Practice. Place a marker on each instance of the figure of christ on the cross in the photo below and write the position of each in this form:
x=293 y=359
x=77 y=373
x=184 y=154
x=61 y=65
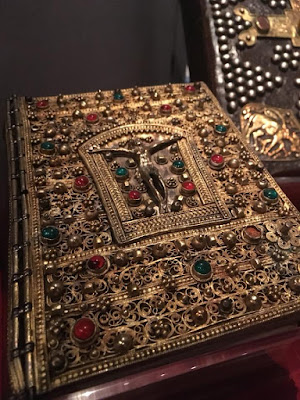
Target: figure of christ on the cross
x=149 y=173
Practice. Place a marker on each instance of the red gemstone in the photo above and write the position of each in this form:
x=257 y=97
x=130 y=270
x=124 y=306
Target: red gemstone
x=190 y=88
x=96 y=262
x=165 y=108
x=84 y=329
x=187 y=185
x=93 y=117
x=217 y=159
x=42 y=104
x=82 y=182
x=253 y=232
x=134 y=195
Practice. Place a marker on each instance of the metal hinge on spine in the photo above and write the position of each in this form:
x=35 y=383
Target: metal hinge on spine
x=23 y=346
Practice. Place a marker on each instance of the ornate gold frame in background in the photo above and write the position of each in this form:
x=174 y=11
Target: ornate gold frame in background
x=150 y=299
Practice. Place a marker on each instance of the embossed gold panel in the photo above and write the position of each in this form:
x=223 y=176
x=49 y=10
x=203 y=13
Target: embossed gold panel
x=210 y=210
x=274 y=132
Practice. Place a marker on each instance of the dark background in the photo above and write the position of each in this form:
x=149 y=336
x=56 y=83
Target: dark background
x=68 y=46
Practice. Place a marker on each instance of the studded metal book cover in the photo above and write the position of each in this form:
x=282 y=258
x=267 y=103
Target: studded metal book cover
x=253 y=48
x=141 y=224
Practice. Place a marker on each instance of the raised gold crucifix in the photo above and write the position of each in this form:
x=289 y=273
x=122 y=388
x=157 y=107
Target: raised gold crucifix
x=283 y=26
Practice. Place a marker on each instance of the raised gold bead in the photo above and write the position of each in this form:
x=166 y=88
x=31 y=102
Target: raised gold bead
x=98 y=242
x=230 y=239
x=262 y=183
x=137 y=255
x=68 y=218
x=159 y=250
x=253 y=302
x=123 y=342
x=77 y=114
x=54 y=162
x=231 y=188
x=99 y=95
x=57 y=174
x=55 y=290
x=121 y=259
x=211 y=240
x=234 y=163
x=58 y=363
x=83 y=104
x=91 y=214
x=50 y=269
x=65 y=130
x=74 y=241
x=50 y=132
x=259 y=206
x=88 y=288
x=294 y=284
x=133 y=289
x=199 y=315
x=199 y=242
x=64 y=149
x=181 y=245
x=60 y=188
x=40 y=193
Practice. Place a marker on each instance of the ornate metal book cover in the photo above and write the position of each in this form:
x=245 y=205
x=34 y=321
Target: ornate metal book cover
x=141 y=223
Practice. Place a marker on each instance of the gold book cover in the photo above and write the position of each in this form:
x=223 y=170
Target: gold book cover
x=141 y=224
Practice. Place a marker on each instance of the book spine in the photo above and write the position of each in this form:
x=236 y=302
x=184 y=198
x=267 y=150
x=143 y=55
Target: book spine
x=21 y=352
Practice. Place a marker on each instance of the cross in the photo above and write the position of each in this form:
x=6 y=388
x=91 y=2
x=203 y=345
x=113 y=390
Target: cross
x=149 y=173
x=283 y=26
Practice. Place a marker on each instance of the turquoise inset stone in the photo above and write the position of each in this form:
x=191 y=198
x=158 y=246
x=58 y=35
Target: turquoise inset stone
x=221 y=129
x=202 y=267
x=121 y=171
x=118 y=96
x=178 y=164
x=270 y=193
x=50 y=233
x=47 y=146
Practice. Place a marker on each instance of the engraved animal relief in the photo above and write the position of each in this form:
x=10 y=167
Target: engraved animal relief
x=273 y=132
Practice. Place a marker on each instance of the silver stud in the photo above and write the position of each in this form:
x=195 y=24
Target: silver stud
x=249 y=74
x=286 y=56
x=269 y=85
x=232 y=106
x=278 y=48
x=284 y=66
x=250 y=84
x=288 y=47
x=294 y=64
x=252 y=94
x=268 y=75
x=260 y=90
x=278 y=81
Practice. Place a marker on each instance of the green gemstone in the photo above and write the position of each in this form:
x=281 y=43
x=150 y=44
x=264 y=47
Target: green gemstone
x=178 y=164
x=121 y=171
x=118 y=96
x=270 y=193
x=221 y=129
x=202 y=267
x=47 y=146
x=50 y=232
